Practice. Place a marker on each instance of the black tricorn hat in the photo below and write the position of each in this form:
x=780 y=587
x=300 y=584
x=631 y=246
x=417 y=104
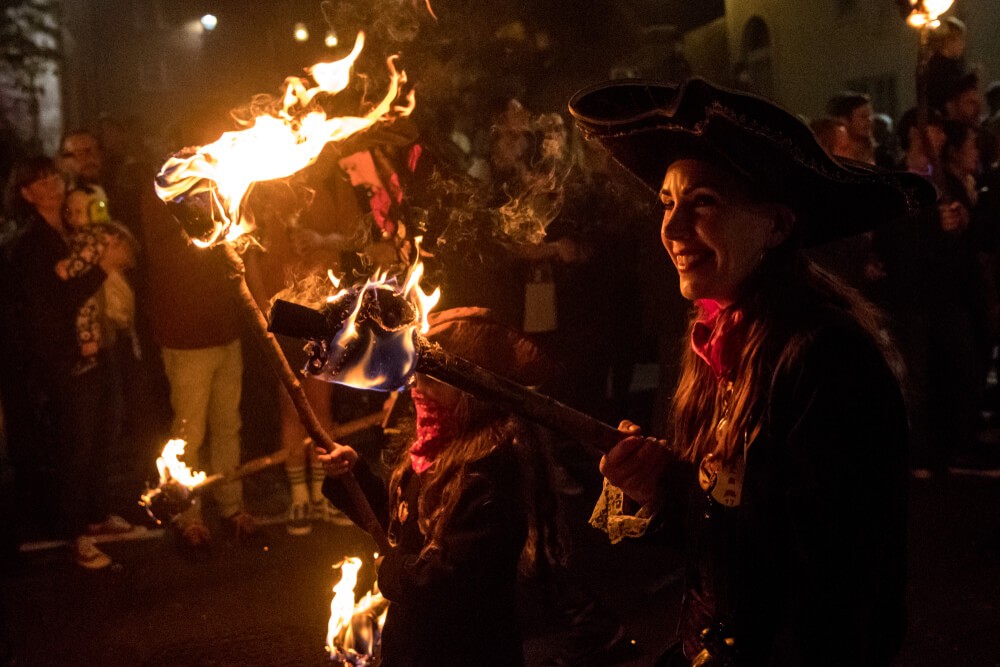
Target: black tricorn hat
x=647 y=125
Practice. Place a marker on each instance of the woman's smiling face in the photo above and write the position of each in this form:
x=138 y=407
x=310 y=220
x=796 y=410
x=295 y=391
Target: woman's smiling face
x=715 y=230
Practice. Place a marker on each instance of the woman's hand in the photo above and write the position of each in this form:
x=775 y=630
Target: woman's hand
x=338 y=462
x=636 y=464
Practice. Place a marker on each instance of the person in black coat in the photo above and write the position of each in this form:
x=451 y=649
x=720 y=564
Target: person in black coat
x=783 y=474
x=467 y=507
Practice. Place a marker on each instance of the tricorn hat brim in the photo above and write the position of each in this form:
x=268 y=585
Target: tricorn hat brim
x=647 y=125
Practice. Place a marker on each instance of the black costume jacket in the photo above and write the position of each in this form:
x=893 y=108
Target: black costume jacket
x=46 y=305
x=455 y=606
x=809 y=567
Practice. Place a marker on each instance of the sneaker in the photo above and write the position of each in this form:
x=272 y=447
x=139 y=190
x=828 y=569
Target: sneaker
x=243 y=524
x=87 y=555
x=323 y=510
x=298 y=520
x=113 y=525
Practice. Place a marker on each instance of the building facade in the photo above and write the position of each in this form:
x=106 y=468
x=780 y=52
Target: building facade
x=800 y=53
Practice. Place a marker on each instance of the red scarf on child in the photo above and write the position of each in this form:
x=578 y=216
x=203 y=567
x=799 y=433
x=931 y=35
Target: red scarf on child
x=435 y=429
x=713 y=340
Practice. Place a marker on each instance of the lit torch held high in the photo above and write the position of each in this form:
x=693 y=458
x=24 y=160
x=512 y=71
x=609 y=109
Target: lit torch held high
x=206 y=188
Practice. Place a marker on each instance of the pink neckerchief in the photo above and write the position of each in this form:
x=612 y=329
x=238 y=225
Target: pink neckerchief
x=713 y=340
x=435 y=429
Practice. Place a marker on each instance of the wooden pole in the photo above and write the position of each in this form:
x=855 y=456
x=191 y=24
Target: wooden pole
x=436 y=362
x=251 y=313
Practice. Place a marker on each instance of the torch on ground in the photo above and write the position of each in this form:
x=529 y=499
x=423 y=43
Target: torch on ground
x=355 y=629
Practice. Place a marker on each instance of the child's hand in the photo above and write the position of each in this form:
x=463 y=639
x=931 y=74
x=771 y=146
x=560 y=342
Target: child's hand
x=338 y=462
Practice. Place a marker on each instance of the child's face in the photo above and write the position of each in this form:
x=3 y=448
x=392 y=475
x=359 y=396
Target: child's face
x=77 y=209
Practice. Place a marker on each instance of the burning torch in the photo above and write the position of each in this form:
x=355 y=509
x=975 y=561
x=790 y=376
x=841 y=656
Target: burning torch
x=206 y=189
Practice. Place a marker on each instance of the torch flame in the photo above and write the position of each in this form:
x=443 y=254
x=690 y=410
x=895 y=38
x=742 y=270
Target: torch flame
x=274 y=145
x=355 y=627
x=176 y=481
x=171 y=468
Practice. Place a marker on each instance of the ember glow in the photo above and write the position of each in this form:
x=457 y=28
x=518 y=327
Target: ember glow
x=275 y=145
x=355 y=627
x=376 y=346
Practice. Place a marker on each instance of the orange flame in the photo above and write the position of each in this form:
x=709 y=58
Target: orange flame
x=275 y=145
x=171 y=468
x=174 y=475
x=355 y=626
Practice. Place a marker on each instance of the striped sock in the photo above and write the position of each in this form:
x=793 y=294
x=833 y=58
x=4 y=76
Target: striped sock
x=316 y=478
x=297 y=485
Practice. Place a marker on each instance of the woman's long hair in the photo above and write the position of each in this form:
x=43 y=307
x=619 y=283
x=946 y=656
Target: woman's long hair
x=781 y=304
x=482 y=429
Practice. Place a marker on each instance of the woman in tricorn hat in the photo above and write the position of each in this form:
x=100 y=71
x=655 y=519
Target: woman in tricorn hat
x=783 y=473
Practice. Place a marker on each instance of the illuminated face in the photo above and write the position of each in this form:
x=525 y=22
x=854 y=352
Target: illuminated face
x=77 y=209
x=360 y=169
x=714 y=231
x=80 y=157
x=46 y=193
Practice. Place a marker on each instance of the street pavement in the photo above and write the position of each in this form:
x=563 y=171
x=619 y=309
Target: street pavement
x=266 y=602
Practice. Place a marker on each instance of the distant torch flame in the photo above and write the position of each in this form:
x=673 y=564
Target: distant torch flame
x=376 y=346
x=355 y=627
x=176 y=480
x=275 y=145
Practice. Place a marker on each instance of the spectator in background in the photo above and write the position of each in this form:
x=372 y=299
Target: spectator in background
x=992 y=125
x=963 y=101
x=80 y=158
x=918 y=158
x=855 y=109
x=112 y=310
x=886 y=148
x=946 y=64
x=917 y=285
x=299 y=243
x=958 y=298
x=831 y=133
x=48 y=307
x=196 y=323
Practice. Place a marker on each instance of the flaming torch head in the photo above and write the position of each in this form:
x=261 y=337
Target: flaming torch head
x=173 y=495
x=365 y=336
x=207 y=186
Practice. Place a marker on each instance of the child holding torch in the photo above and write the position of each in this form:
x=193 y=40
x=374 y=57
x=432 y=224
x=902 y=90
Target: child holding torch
x=467 y=505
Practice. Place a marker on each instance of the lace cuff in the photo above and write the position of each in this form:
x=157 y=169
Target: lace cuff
x=608 y=515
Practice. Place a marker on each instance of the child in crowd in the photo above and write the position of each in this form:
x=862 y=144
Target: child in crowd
x=466 y=504
x=112 y=309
